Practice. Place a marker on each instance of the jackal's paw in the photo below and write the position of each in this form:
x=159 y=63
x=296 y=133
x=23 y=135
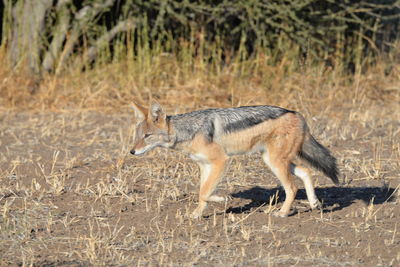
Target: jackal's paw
x=196 y=214
x=316 y=205
x=216 y=199
x=284 y=214
x=280 y=214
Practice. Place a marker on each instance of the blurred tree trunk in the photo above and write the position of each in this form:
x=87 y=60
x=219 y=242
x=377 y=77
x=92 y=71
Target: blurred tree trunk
x=60 y=32
x=43 y=34
x=28 y=18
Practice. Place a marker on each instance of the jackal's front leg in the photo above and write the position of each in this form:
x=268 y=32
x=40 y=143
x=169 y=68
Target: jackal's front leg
x=211 y=173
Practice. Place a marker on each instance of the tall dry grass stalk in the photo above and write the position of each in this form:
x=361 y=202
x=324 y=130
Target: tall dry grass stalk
x=186 y=82
x=198 y=65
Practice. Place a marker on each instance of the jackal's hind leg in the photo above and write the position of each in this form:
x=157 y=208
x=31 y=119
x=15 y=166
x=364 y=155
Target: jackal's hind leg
x=280 y=167
x=304 y=174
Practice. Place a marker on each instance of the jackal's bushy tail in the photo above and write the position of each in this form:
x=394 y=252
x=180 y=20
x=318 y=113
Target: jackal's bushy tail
x=319 y=157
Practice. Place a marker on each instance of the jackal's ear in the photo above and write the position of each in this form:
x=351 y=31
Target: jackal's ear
x=156 y=112
x=140 y=112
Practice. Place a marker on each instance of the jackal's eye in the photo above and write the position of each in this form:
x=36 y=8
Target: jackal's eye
x=146 y=135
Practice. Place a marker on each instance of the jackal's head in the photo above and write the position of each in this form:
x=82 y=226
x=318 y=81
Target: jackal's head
x=151 y=129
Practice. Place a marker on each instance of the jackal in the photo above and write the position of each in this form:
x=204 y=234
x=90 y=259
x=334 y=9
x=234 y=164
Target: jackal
x=211 y=136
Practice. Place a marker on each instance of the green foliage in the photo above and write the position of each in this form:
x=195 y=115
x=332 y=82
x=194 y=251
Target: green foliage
x=345 y=33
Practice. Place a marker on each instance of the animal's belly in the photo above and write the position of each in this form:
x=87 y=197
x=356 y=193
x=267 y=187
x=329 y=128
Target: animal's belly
x=243 y=145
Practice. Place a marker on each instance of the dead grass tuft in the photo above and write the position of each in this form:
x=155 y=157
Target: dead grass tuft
x=70 y=194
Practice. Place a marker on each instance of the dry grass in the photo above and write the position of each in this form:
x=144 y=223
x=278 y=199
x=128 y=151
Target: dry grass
x=71 y=195
x=172 y=82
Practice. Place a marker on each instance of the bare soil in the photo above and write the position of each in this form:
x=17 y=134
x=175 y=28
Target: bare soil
x=71 y=195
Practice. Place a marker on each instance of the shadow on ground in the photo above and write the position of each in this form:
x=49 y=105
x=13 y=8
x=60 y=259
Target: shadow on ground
x=333 y=198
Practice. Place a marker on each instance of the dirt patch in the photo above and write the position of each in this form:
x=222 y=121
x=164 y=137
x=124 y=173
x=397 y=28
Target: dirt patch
x=71 y=195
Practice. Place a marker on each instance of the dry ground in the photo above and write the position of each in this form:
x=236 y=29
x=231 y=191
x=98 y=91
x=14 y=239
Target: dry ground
x=71 y=195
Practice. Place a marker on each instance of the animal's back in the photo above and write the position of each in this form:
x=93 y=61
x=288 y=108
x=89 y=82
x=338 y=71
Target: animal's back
x=230 y=119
